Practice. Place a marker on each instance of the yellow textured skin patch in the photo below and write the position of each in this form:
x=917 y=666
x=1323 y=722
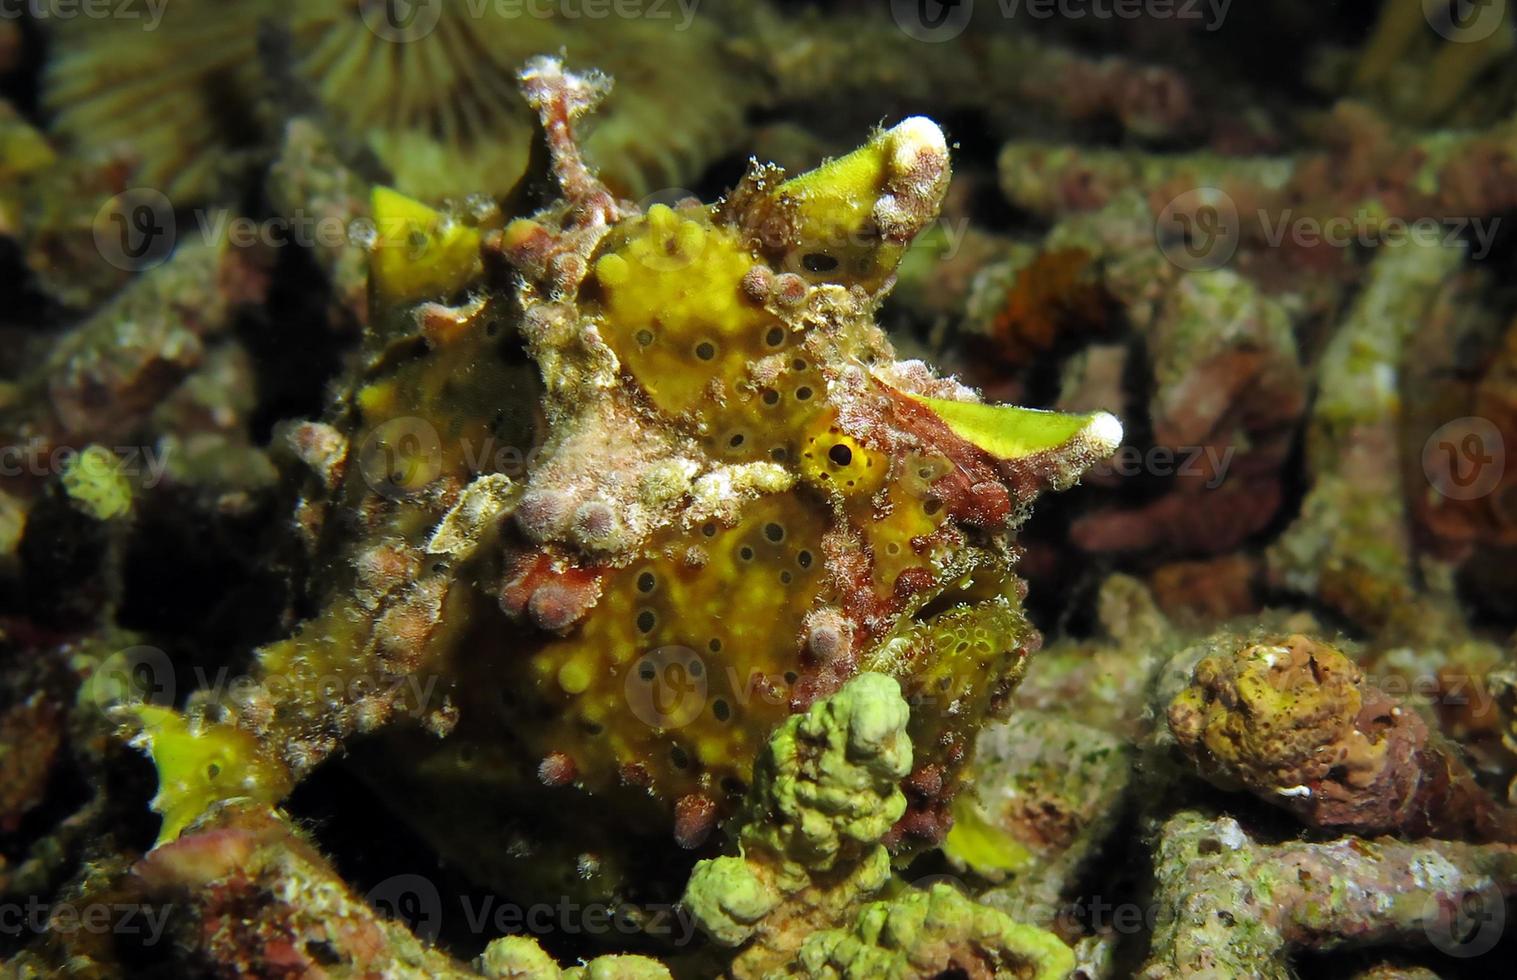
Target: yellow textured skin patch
x=674 y=311
x=832 y=459
x=696 y=640
x=418 y=252
x=202 y=764
x=910 y=514
x=673 y=308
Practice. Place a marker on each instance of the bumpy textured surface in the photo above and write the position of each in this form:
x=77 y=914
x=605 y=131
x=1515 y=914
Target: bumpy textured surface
x=246 y=894
x=1296 y=722
x=1230 y=906
x=825 y=794
x=521 y=958
x=614 y=493
x=932 y=933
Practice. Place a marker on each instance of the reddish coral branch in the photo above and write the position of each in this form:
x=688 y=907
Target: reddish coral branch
x=1296 y=722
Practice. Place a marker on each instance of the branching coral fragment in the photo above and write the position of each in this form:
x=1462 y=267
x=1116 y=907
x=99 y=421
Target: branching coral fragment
x=1231 y=907
x=933 y=933
x=825 y=792
x=1296 y=722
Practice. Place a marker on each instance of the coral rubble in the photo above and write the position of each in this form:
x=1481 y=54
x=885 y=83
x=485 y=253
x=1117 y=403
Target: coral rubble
x=1233 y=907
x=1295 y=722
